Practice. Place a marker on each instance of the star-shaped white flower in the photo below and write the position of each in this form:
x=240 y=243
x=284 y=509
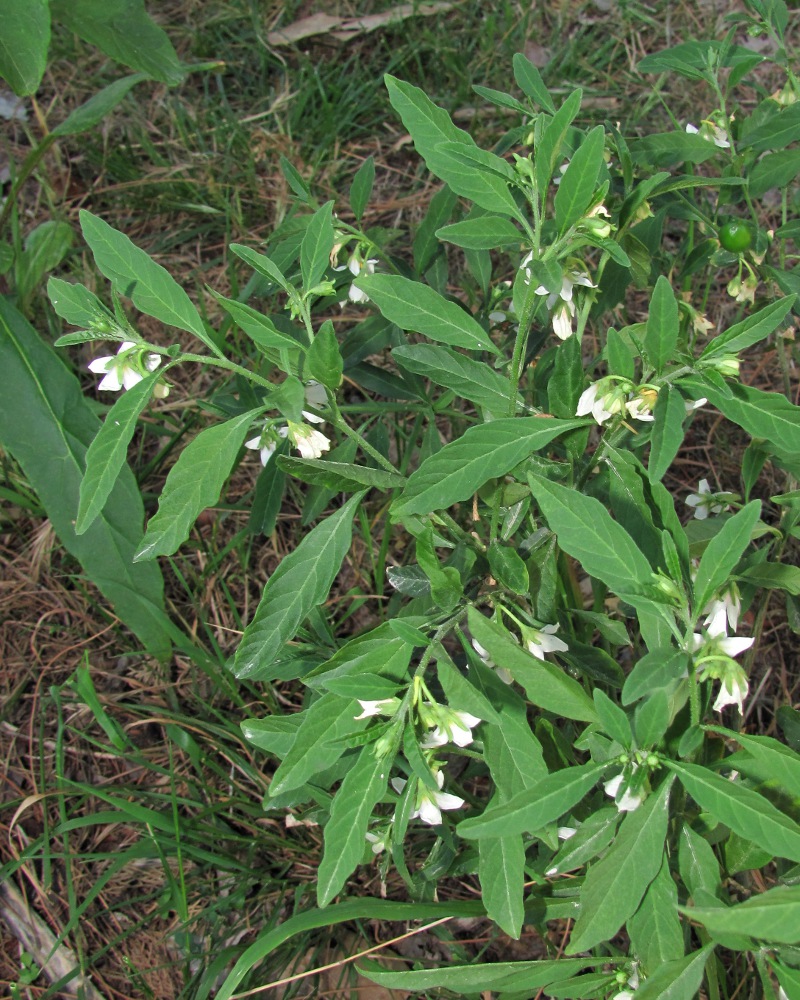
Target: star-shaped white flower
x=378 y=707
x=704 y=501
x=429 y=803
x=124 y=370
x=539 y=641
x=455 y=727
x=711 y=133
x=602 y=400
x=356 y=266
x=265 y=443
x=723 y=611
x=629 y=801
x=310 y=443
x=733 y=690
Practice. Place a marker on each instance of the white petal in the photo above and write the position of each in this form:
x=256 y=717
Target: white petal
x=254 y=443
x=444 y=800
x=735 y=645
x=565 y=832
x=629 y=802
x=357 y=296
x=312 y=418
x=429 y=813
x=535 y=648
x=562 y=324
x=586 y=402
x=461 y=737
x=151 y=362
x=612 y=786
x=101 y=365
x=315 y=394
x=398 y=784
x=691 y=129
x=266 y=453
x=130 y=377
x=111 y=382
x=469 y=720
x=717 y=621
x=552 y=644
x=437 y=738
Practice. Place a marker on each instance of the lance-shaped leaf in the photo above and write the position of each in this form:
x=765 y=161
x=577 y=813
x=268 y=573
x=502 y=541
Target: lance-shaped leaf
x=482 y=453
x=750 y=330
x=667 y=435
x=92 y=112
x=486 y=232
x=473 y=979
x=678 y=980
x=315 y=250
x=468 y=378
x=587 y=532
x=663 y=323
x=743 y=810
x=194 y=483
x=501 y=869
x=362 y=788
x=530 y=82
x=535 y=807
x=301 y=582
x=24 y=41
x=615 y=885
x=137 y=276
x=549 y=148
x=723 y=553
x=772 y=916
x=340 y=476
x=361 y=188
x=106 y=454
x=579 y=182
x=655 y=929
x=414 y=306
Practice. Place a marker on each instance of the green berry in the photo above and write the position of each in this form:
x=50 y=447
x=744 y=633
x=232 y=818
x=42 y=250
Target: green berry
x=736 y=237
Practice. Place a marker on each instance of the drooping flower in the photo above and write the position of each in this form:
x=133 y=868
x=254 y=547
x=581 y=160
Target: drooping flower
x=716 y=662
x=723 y=611
x=630 y=800
x=377 y=841
x=743 y=289
x=125 y=369
x=502 y=672
x=356 y=265
x=705 y=501
x=711 y=132
x=641 y=407
x=603 y=399
x=266 y=442
x=539 y=641
x=453 y=726
x=562 y=320
x=379 y=707
x=562 y=300
x=429 y=804
x=310 y=443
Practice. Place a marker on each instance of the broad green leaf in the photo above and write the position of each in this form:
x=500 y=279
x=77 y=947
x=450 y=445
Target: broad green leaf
x=300 y=583
x=776 y=133
x=546 y=685
x=262 y=264
x=690 y=59
x=743 y=810
x=136 y=275
x=615 y=885
x=678 y=980
x=535 y=807
x=447 y=589
x=698 y=865
x=123 y=30
x=778 y=761
x=93 y=111
x=414 y=306
x=258 y=327
x=579 y=183
x=592 y=836
x=324 y=360
x=340 y=476
x=352 y=807
x=565 y=385
x=468 y=378
x=46 y=246
x=275 y=734
x=652 y=719
x=268 y=495
x=774 y=576
x=486 y=232
x=47 y=425
x=484 y=452
x=508 y=568
x=409 y=580
x=194 y=483
x=475 y=978
x=775 y=170
x=530 y=82
x=613 y=719
x=380 y=651
x=549 y=148
x=662 y=149
x=723 y=552
x=106 y=454
x=789 y=978
x=317 y=743
x=667 y=434
x=655 y=928
x=501 y=869
x=461 y=694
x=663 y=324
x=426 y=245
x=501 y=99
x=751 y=330
x=761 y=414
x=361 y=188
x=361 y=686
x=24 y=42
x=587 y=532
x=431 y=128
x=80 y=307
x=315 y=250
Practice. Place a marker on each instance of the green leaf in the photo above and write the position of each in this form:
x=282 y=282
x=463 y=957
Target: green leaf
x=447 y=589
x=24 y=41
x=508 y=568
x=613 y=719
x=123 y=30
x=47 y=425
x=565 y=385
x=615 y=885
x=262 y=264
x=46 y=246
x=194 y=483
x=484 y=452
x=652 y=719
x=723 y=552
x=468 y=378
x=300 y=583
x=788 y=978
x=317 y=743
x=486 y=232
x=690 y=59
x=475 y=978
x=774 y=576
x=698 y=864
x=751 y=330
x=530 y=82
x=775 y=170
x=743 y=810
x=340 y=476
x=777 y=761
x=768 y=415
x=663 y=325
x=361 y=188
x=80 y=307
x=361 y=790
x=315 y=250
x=678 y=980
x=549 y=148
x=137 y=276
x=275 y=734
x=259 y=328
x=93 y=111
x=501 y=869
x=577 y=188
x=667 y=435
x=663 y=149
x=546 y=685
x=587 y=532
x=776 y=132
x=593 y=835
x=324 y=359
x=655 y=928
x=414 y=306
x=106 y=454
x=461 y=694
x=535 y=807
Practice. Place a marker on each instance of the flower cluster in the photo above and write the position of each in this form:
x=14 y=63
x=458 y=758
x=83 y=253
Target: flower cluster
x=309 y=442
x=614 y=395
x=127 y=368
x=560 y=303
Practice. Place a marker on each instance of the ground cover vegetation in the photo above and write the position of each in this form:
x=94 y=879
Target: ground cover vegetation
x=400 y=504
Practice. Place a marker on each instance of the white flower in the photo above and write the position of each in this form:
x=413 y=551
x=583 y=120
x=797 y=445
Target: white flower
x=603 y=400
x=630 y=801
x=502 y=673
x=641 y=408
x=310 y=443
x=723 y=611
x=624 y=995
x=454 y=726
x=544 y=640
x=711 y=132
x=716 y=663
x=430 y=804
x=266 y=442
x=705 y=501
x=369 y=708
x=123 y=370
x=316 y=396
x=357 y=266
x=730 y=646
x=733 y=690
x=690 y=406
x=378 y=841
x=565 y=832
x=562 y=321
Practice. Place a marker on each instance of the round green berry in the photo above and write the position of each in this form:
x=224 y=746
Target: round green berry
x=736 y=237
